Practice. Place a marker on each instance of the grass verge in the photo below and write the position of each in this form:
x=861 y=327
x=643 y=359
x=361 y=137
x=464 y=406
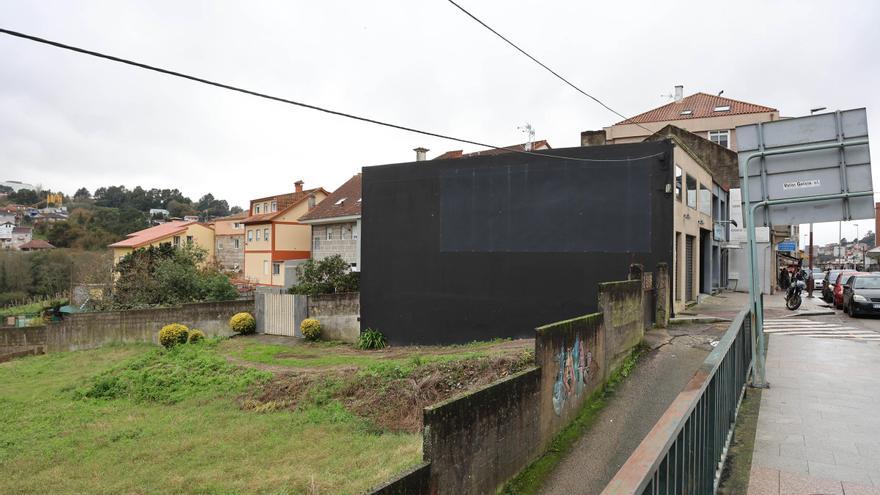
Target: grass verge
x=530 y=480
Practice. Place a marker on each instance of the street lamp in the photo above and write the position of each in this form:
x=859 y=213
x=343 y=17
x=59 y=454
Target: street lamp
x=814 y=110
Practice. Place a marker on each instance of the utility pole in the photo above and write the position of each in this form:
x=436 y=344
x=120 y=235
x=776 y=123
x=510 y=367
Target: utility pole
x=811 y=282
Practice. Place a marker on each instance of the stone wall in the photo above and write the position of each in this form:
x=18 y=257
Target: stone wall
x=339 y=315
x=477 y=442
x=91 y=330
x=17 y=342
x=230 y=257
x=343 y=242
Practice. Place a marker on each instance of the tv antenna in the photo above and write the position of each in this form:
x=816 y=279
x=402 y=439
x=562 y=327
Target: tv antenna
x=530 y=131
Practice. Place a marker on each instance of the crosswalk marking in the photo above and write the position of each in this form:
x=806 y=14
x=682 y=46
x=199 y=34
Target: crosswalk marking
x=817 y=329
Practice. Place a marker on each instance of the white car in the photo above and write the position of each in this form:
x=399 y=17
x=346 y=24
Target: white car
x=818 y=278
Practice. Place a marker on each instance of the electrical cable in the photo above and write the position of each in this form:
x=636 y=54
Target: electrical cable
x=566 y=81
x=297 y=103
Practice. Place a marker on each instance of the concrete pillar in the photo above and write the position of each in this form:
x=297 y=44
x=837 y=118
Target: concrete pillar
x=661 y=285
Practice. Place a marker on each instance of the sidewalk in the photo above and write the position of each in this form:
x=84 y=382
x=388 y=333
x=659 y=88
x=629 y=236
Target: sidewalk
x=819 y=423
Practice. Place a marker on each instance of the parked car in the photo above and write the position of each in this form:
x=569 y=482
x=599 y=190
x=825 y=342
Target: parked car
x=828 y=284
x=818 y=279
x=861 y=295
x=842 y=279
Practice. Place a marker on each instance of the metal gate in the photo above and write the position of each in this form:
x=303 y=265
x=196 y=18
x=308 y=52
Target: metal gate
x=689 y=269
x=280 y=314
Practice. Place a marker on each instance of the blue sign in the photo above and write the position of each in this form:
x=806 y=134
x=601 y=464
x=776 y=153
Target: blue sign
x=787 y=246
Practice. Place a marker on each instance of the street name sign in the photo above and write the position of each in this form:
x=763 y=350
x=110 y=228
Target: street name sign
x=786 y=246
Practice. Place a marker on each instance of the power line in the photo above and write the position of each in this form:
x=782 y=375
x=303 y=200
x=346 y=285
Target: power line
x=293 y=102
x=566 y=81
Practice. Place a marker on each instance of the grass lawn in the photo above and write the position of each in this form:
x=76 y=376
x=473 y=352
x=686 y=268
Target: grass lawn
x=138 y=419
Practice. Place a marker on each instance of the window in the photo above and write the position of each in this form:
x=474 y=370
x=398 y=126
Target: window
x=266 y=234
x=721 y=138
x=250 y=235
x=189 y=240
x=678 y=183
x=687 y=112
x=340 y=202
x=257 y=209
x=236 y=243
x=311 y=202
x=691 y=184
x=276 y=268
x=345 y=232
x=705 y=200
x=329 y=233
x=259 y=235
x=219 y=245
x=265 y=267
x=722 y=108
x=176 y=240
x=316 y=245
x=237 y=225
x=274 y=206
x=354 y=232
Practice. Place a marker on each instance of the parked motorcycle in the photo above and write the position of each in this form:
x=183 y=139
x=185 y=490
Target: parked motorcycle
x=793 y=297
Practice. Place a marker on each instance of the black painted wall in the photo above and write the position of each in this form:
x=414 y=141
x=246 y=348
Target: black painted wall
x=472 y=249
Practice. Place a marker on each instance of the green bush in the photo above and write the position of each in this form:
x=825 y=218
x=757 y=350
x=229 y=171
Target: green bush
x=311 y=329
x=243 y=323
x=195 y=335
x=173 y=334
x=371 y=339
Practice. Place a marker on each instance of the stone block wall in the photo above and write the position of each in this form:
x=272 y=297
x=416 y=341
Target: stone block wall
x=91 y=330
x=343 y=242
x=229 y=256
x=339 y=315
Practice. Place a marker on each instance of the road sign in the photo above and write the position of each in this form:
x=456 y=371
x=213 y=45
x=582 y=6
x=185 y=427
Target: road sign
x=817 y=172
x=802 y=170
x=786 y=246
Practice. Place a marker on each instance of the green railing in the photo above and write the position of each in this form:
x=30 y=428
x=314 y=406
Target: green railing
x=685 y=451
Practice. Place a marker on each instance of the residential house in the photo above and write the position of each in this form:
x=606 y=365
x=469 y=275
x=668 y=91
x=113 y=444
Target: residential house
x=7 y=218
x=17 y=237
x=17 y=185
x=229 y=241
x=713 y=118
x=36 y=245
x=176 y=233
x=6 y=228
x=274 y=237
x=336 y=224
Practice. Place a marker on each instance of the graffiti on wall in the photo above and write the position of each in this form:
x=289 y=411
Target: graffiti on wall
x=576 y=368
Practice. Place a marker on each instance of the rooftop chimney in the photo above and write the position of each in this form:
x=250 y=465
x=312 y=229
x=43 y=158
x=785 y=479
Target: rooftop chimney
x=298 y=185
x=421 y=153
x=679 y=90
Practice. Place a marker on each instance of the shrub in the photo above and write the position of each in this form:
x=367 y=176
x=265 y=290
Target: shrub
x=195 y=335
x=243 y=323
x=311 y=329
x=173 y=334
x=371 y=339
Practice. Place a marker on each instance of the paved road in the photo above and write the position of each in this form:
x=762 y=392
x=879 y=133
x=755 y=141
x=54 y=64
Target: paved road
x=819 y=426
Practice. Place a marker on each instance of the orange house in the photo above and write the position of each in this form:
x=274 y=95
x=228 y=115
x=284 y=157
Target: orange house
x=273 y=235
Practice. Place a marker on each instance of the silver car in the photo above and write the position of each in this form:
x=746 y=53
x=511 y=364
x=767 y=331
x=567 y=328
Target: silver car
x=818 y=278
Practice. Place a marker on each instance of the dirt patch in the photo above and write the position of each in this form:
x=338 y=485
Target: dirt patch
x=392 y=403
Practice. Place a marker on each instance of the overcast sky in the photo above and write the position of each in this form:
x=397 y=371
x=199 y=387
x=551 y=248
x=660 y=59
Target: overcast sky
x=68 y=120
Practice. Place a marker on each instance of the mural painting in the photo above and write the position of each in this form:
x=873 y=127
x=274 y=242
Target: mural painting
x=576 y=368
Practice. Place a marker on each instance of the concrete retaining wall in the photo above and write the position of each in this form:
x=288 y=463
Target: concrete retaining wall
x=339 y=315
x=90 y=330
x=477 y=442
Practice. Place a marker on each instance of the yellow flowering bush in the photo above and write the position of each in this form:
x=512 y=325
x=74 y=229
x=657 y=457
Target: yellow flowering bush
x=195 y=335
x=311 y=329
x=173 y=334
x=243 y=323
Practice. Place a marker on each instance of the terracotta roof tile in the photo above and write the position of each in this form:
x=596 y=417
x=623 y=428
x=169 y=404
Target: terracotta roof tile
x=343 y=202
x=536 y=146
x=36 y=244
x=701 y=105
x=151 y=234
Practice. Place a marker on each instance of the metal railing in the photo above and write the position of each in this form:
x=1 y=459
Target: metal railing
x=685 y=451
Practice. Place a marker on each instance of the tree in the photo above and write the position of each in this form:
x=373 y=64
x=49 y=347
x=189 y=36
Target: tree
x=24 y=197
x=50 y=272
x=82 y=194
x=235 y=210
x=843 y=242
x=328 y=276
x=869 y=238
x=166 y=275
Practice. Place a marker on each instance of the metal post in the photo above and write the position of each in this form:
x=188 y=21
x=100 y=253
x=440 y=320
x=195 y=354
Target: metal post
x=811 y=281
x=760 y=380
